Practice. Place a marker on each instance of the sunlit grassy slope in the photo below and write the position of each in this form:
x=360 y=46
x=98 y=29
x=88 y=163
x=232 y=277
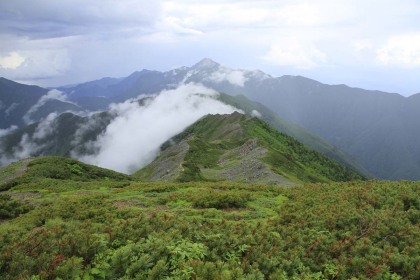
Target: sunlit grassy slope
x=64 y=219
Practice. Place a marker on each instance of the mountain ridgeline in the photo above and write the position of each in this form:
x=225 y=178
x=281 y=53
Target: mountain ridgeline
x=379 y=130
x=66 y=134
x=71 y=135
x=241 y=148
x=21 y=104
x=33 y=172
x=375 y=133
x=301 y=134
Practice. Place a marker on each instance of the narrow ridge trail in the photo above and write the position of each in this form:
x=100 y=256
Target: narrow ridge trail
x=19 y=171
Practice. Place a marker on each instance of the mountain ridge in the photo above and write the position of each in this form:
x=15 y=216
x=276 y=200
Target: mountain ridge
x=242 y=148
x=71 y=135
x=304 y=136
x=377 y=129
x=22 y=104
x=337 y=113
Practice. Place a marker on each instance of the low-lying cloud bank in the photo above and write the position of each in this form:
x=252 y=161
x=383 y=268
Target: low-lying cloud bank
x=133 y=138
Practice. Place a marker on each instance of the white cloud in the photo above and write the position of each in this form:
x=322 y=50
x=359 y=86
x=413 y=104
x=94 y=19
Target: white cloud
x=29 y=145
x=361 y=45
x=214 y=15
x=24 y=149
x=52 y=94
x=402 y=50
x=11 y=61
x=45 y=127
x=46 y=62
x=38 y=59
x=174 y=24
x=292 y=52
x=134 y=137
x=300 y=14
x=6 y=131
x=235 y=77
x=257 y=114
x=91 y=124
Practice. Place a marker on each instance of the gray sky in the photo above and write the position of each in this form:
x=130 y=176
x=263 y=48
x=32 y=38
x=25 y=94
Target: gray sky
x=373 y=44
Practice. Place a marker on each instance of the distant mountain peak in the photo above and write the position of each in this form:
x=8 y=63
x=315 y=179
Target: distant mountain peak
x=206 y=63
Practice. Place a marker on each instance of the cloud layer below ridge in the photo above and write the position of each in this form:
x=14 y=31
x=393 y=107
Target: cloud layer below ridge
x=133 y=138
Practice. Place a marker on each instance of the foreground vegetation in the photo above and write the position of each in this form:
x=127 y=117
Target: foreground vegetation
x=108 y=227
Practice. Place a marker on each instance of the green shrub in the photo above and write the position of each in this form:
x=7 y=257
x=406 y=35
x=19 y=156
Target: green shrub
x=222 y=199
x=365 y=230
x=11 y=208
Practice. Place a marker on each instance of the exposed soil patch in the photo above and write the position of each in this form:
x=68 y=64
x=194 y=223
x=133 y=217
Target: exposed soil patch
x=248 y=166
x=168 y=166
x=20 y=171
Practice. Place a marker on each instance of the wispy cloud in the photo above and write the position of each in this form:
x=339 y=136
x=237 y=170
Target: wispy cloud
x=11 y=61
x=401 y=50
x=29 y=144
x=292 y=52
x=6 y=131
x=234 y=77
x=52 y=94
x=45 y=127
x=134 y=137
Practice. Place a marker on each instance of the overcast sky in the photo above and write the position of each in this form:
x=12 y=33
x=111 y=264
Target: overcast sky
x=373 y=44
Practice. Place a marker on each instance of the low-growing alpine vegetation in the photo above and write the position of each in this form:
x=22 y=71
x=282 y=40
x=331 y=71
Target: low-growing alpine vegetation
x=120 y=229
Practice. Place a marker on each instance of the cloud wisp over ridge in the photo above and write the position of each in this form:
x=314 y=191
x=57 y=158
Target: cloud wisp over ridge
x=51 y=95
x=133 y=138
x=29 y=145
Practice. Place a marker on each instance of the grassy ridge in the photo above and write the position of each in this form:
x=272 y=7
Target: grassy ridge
x=215 y=135
x=299 y=161
x=56 y=168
